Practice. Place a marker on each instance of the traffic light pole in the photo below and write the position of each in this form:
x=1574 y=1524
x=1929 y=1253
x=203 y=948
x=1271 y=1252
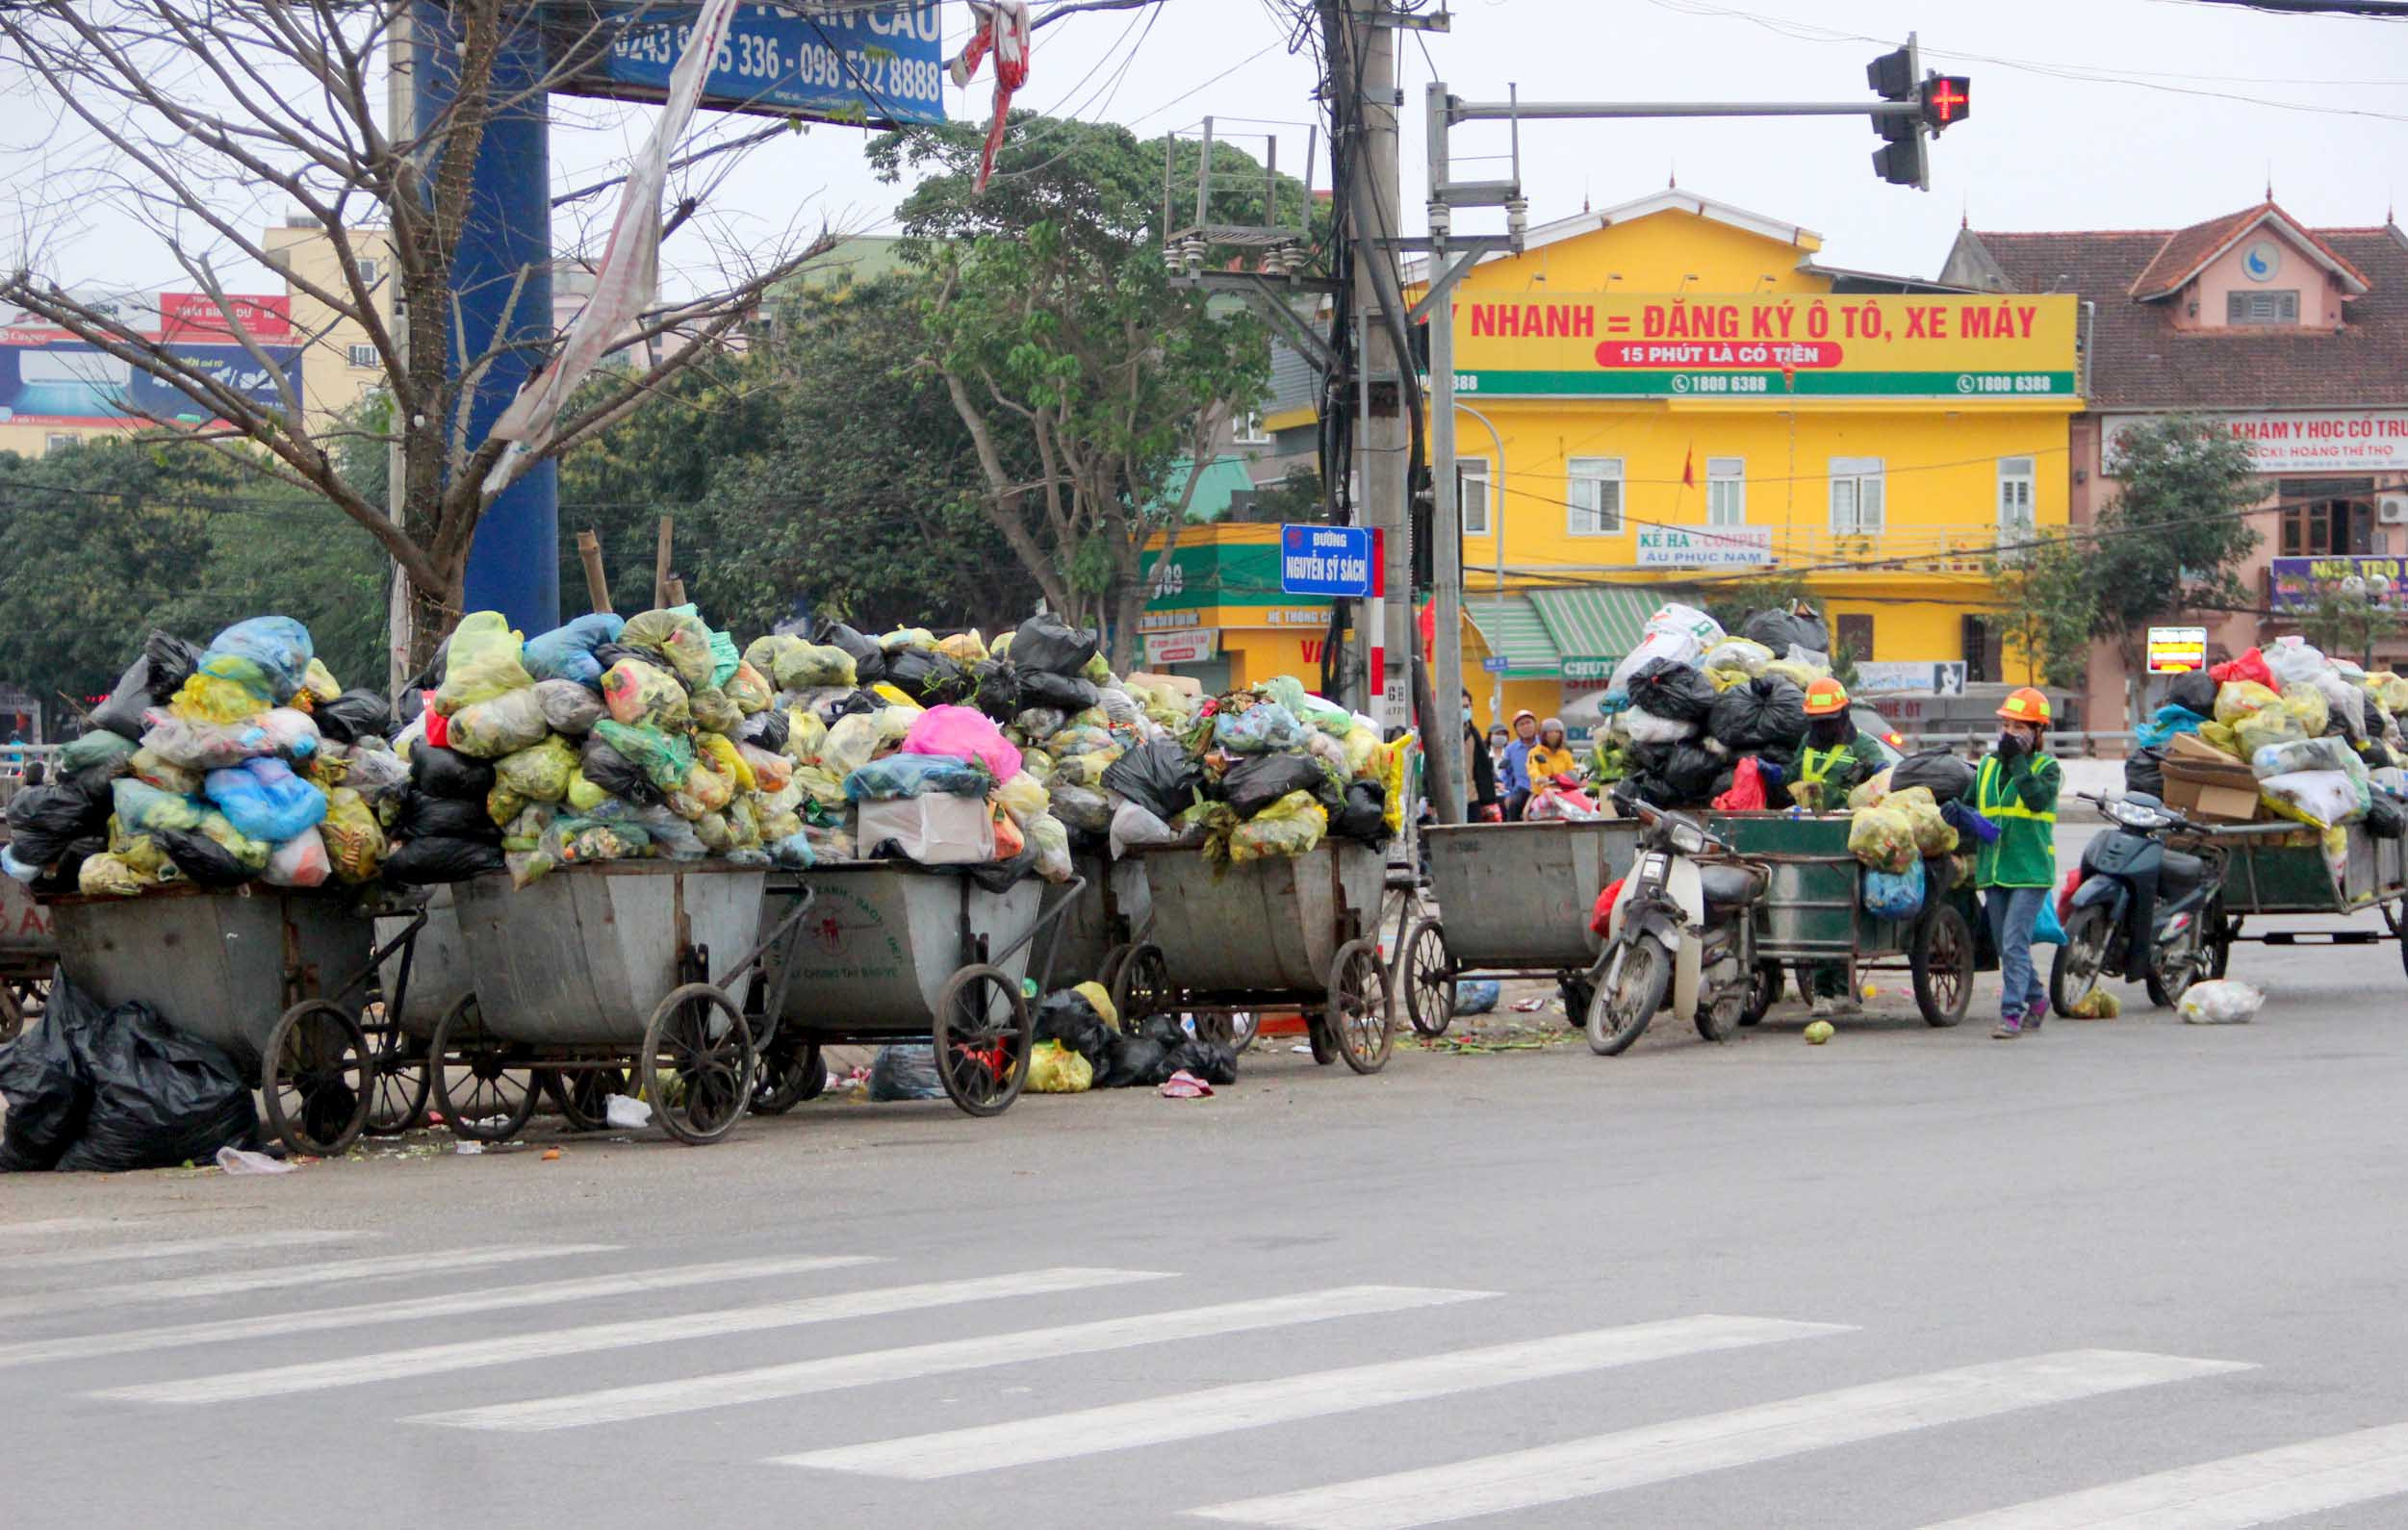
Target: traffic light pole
x=1459 y=111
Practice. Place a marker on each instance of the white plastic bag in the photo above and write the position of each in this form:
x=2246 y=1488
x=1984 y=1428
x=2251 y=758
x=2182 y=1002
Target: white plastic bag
x=1132 y=825
x=1679 y=648
x=2325 y=798
x=2293 y=659
x=1646 y=727
x=2346 y=702
x=300 y=862
x=1686 y=620
x=2224 y=1001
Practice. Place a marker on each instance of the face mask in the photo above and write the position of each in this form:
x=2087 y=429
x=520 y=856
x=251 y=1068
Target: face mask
x=1467 y=714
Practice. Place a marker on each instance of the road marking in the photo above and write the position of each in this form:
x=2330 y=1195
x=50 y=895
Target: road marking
x=193 y=1287
x=511 y=1349
x=2266 y=1488
x=1252 y=1405
x=129 y=1252
x=632 y=1283
x=1580 y=1469
x=60 y=1224
x=831 y=1373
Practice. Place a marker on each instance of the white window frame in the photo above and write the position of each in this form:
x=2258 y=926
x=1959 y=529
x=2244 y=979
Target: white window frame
x=360 y=355
x=1728 y=474
x=1475 y=492
x=372 y=271
x=1249 y=431
x=2018 y=498
x=59 y=440
x=1851 y=477
x=2242 y=305
x=1581 y=518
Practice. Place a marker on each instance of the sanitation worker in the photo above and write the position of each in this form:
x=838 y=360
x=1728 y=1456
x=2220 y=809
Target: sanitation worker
x=1833 y=762
x=2016 y=789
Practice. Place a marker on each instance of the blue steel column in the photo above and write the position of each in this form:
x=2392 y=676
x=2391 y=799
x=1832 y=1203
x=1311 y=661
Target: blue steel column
x=514 y=566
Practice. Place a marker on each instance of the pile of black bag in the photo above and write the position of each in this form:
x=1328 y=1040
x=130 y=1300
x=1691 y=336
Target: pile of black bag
x=114 y=1089
x=1156 y=1047
x=441 y=828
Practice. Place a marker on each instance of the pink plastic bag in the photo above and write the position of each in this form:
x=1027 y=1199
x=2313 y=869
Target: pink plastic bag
x=966 y=734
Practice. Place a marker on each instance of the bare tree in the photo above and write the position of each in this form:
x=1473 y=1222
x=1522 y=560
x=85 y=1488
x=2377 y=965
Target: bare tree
x=207 y=120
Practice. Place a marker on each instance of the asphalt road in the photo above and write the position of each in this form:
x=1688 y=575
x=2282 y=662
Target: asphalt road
x=1910 y=1277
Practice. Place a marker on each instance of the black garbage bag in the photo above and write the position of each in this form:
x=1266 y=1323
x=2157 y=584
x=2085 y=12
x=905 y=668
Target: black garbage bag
x=2385 y=820
x=1065 y=693
x=1000 y=877
x=1065 y=1016
x=439 y=772
x=869 y=660
x=354 y=715
x=425 y=817
x=1768 y=712
x=851 y=704
x=2194 y=691
x=996 y=689
x=1945 y=775
x=1681 y=775
x=1213 y=1061
x=152 y=680
x=44 y=821
x=413 y=698
x=1158 y=776
x=766 y=730
x=1364 y=816
x=63 y=879
x=1049 y=644
x=44 y=1082
x=905 y=1071
x=203 y=861
x=2144 y=771
x=614 y=773
x=1677 y=692
x=425 y=862
x=1781 y=631
x=934 y=678
x=1160 y=1030
x=1259 y=780
x=1132 y=1061
x=159 y=1096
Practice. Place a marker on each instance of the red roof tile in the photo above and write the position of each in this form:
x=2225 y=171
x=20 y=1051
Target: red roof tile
x=2185 y=250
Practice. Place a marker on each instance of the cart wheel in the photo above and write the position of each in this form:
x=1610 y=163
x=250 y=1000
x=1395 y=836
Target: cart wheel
x=2080 y=960
x=1942 y=964
x=487 y=1094
x=1234 y=1029
x=1317 y=1032
x=2219 y=955
x=317 y=1079
x=1361 y=1022
x=1140 y=986
x=1109 y=973
x=1771 y=979
x=697 y=1064
x=1575 y=994
x=406 y=1080
x=1426 y=977
x=584 y=1094
x=789 y=1074
x=982 y=1035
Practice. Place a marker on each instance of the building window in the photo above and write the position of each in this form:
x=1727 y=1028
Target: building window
x=2016 y=520
x=1725 y=491
x=1472 y=493
x=1251 y=432
x=1854 y=635
x=371 y=273
x=1857 y=498
x=58 y=440
x=361 y=355
x=2251 y=309
x=2339 y=526
x=1595 y=497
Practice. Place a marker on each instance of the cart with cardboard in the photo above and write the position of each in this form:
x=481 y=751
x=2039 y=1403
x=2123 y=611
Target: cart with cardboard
x=1813 y=915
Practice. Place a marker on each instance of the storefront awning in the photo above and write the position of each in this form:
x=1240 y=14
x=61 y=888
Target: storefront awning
x=1510 y=626
x=1598 y=620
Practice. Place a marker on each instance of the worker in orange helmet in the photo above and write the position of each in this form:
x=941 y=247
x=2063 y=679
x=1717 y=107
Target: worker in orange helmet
x=2016 y=790
x=1833 y=759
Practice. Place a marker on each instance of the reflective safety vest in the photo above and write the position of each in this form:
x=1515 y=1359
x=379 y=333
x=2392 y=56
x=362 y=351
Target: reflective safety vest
x=2000 y=800
x=2025 y=853
x=1813 y=764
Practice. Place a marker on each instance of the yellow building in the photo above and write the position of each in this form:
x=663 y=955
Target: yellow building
x=1664 y=399
x=339 y=365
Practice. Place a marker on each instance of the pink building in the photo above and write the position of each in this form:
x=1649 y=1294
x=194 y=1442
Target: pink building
x=2295 y=336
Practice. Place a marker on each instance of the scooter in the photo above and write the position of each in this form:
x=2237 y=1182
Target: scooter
x=2139 y=908
x=1681 y=936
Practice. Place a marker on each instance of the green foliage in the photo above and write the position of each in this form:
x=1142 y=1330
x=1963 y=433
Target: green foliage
x=2047 y=604
x=2174 y=538
x=1295 y=499
x=2346 y=623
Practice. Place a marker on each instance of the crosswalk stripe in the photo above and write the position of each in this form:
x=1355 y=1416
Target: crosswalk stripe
x=512 y=1349
x=1630 y=1458
x=630 y=1283
x=1252 y=1405
x=132 y=1253
x=834 y=1372
x=2266 y=1488
x=194 y=1287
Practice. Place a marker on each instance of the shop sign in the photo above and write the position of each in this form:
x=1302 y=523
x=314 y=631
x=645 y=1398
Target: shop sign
x=2177 y=650
x=1194 y=647
x=1705 y=547
x=2295 y=584
x=1588 y=669
x=1938 y=676
x=2302 y=440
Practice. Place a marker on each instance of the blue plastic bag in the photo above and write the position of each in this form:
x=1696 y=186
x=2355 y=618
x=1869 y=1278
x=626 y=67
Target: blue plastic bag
x=2046 y=930
x=265 y=801
x=566 y=653
x=1895 y=896
x=1969 y=824
x=277 y=644
x=2171 y=719
x=900 y=776
x=794 y=853
x=1477 y=996
x=1259 y=730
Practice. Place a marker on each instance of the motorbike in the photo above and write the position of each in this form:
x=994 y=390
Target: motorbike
x=1682 y=936
x=2139 y=908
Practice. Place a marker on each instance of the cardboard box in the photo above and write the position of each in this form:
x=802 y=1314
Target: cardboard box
x=934 y=829
x=2203 y=782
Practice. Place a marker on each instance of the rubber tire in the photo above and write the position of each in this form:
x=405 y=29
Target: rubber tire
x=302 y=1136
x=1652 y=978
x=1772 y=979
x=1139 y=985
x=2166 y=996
x=1425 y=977
x=396 y=1061
x=1944 y=929
x=1355 y=971
x=788 y=1076
x=661 y=1087
x=2078 y=932
x=2221 y=949
x=590 y=1113
x=447 y=1042
x=1024 y=1035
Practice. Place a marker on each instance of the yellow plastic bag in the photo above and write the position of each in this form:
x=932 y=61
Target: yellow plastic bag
x=1883 y=839
x=2308 y=705
x=1056 y=1070
x=251 y=853
x=727 y=761
x=708 y=787
x=1933 y=835
x=1291 y=827
x=2235 y=699
x=482 y=664
x=1395 y=760
x=2219 y=736
x=806 y=735
x=770 y=771
x=214 y=698
x=318 y=682
x=823 y=786
x=678 y=637
x=355 y=844
x=749 y=689
x=967 y=646
x=585 y=796
x=644 y=695
x=1871 y=792
x=1023 y=797
x=110 y=877
x=1100 y=997
x=2390 y=689
x=540 y=774
x=894 y=698
x=715 y=711
x=2096 y=1005
x=1362 y=751
x=2271 y=724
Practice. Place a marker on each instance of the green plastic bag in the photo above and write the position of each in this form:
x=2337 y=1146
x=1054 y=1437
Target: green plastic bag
x=1293 y=826
x=540 y=774
x=665 y=761
x=682 y=640
x=484 y=662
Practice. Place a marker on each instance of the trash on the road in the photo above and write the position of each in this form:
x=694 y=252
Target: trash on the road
x=552 y=1155
x=1477 y=996
x=103 y=1090
x=468 y=1150
x=1185 y=1086
x=1054 y=1068
x=2224 y=1001
x=1306 y=1051
x=905 y=1071
x=623 y=1114
x=2096 y=1005
x=1820 y=1031
x=242 y=1160
x=1529 y=1006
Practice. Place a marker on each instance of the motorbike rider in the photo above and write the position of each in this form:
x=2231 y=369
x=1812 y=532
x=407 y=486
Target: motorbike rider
x=1515 y=783
x=1550 y=756
x=2016 y=789
x=1833 y=760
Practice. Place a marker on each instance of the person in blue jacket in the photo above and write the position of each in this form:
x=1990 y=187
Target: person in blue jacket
x=1515 y=780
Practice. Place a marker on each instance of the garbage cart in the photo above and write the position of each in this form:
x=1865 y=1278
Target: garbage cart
x=28 y=951
x=2281 y=870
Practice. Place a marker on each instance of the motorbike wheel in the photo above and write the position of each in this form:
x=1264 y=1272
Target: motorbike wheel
x=1627 y=999
x=2080 y=960
x=1771 y=977
x=2178 y=967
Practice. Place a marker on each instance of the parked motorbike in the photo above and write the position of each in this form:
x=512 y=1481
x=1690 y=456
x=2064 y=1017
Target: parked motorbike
x=2139 y=909
x=1682 y=938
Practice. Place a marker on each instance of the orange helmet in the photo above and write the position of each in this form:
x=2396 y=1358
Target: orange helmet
x=1826 y=697
x=2023 y=705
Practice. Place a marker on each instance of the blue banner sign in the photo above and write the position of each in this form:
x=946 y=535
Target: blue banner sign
x=877 y=68
x=1325 y=560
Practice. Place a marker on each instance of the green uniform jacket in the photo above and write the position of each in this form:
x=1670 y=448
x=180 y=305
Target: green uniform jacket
x=1840 y=770
x=2021 y=797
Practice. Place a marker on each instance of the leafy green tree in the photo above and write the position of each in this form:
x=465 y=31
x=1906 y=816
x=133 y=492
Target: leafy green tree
x=2046 y=605
x=2174 y=538
x=2348 y=621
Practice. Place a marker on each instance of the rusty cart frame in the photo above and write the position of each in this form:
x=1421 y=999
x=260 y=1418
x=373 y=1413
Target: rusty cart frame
x=29 y=953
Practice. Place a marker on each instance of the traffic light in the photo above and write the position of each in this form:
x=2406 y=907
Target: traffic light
x=1895 y=76
x=1947 y=98
x=1904 y=160
x=1940 y=100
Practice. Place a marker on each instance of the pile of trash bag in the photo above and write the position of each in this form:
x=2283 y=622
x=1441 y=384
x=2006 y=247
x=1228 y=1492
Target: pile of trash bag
x=1692 y=705
x=244 y=761
x=1081 y=1044
x=1272 y=771
x=115 y=1089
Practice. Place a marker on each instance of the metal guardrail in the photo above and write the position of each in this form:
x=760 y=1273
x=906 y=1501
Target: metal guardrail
x=13 y=758
x=2065 y=746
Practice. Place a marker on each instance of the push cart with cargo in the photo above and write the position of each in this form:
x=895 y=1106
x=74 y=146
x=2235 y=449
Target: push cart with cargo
x=2279 y=871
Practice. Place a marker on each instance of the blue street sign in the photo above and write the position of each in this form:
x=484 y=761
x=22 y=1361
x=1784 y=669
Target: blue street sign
x=1325 y=560
x=874 y=68
x=1496 y=664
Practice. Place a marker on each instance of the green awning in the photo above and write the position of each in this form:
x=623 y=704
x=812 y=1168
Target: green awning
x=1219 y=483
x=1597 y=621
x=1511 y=628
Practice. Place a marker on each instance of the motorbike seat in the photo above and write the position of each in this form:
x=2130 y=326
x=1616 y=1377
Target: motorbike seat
x=2180 y=874
x=1727 y=887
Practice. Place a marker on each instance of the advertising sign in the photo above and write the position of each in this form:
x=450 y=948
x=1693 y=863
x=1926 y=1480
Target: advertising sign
x=1587 y=668
x=1193 y=646
x=2295 y=584
x=65 y=382
x=196 y=316
x=1705 y=547
x=1325 y=560
x=1786 y=345
x=882 y=67
x=2177 y=650
x=1938 y=676
x=2303 y=440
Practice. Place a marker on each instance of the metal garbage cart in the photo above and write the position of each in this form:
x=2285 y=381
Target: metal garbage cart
x=1514 y=901
x=1813 y=915
x=413 y=1003
x=1106 y=934
x=281 y=979
x=897 y=952
x=28 y=951
x=1278 y=932
x=610 y=975
x=2281 y=870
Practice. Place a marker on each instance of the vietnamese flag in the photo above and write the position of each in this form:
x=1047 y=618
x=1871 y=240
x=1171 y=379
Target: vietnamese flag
x=1689 y=469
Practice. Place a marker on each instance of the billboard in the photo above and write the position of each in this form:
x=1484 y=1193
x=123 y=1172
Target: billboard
x=51 y=381
x=1785 y=345
x=2295 y=584
x=2301 y=440
x=879 y=67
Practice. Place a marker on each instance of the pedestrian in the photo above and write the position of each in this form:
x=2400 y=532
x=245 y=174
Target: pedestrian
x=1550 y=756
x=1833 y=762
x=1480 y=805
x=1515 y=783
x=2016 y=789
x=1498 y=739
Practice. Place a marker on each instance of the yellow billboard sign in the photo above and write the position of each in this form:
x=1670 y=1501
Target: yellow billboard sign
x=1807 y=345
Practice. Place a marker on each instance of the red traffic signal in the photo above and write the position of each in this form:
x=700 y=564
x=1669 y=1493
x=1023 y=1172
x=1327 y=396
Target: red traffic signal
x=1947 y=98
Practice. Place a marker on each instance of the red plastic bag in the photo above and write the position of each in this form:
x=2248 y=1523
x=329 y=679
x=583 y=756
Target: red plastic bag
x=2073 y=879
x=438 y=725
x=2250 y=666
x=1747 y=789
x=1602 y=917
